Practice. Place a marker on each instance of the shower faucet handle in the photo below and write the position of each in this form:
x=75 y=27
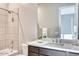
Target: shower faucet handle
x=12 y=42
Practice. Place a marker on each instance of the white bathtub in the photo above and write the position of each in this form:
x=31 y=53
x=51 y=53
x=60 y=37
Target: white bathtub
x=8 y=52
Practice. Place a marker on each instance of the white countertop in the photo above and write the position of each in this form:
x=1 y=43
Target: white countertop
x=43 y=44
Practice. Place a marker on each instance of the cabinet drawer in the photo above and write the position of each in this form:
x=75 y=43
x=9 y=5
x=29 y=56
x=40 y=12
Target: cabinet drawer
x=51 y=52
x=73 y=54
x=33 y=49
x=33 y=54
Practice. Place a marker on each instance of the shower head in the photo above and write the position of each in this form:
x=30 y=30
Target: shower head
x=9 y=12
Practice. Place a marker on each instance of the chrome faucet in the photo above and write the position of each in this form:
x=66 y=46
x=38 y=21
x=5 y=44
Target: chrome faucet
x=58 y=41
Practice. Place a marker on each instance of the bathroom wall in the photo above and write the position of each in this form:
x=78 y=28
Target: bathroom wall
x=28 y=17
x=4 y=5
x=48 y=15
x=28 y=25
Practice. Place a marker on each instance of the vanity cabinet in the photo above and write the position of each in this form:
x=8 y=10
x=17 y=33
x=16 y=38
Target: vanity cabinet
x=51 y=52
x=33 y=54
x=33 y=51
x=38 y=51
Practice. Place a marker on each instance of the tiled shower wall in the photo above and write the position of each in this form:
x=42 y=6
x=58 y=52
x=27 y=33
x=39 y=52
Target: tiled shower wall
x=3 y=27
x=8 y=30
x=27 y=29
x=13 y=30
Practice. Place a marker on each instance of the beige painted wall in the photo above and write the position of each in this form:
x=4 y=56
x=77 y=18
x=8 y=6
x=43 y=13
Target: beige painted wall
x=48 y=16
x=28 y=17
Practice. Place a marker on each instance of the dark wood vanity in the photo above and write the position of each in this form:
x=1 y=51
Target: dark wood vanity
x=39 y=51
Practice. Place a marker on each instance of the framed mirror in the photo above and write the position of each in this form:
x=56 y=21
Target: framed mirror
x=59 y=19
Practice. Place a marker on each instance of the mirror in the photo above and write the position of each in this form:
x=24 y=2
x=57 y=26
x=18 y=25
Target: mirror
x=58 y=20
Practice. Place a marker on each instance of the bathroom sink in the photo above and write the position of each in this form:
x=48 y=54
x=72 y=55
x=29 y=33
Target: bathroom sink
x=66 y=46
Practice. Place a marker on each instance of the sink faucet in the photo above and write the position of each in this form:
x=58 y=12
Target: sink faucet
x=58 y=41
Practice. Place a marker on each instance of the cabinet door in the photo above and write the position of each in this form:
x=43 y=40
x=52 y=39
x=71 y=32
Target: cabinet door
x=51 y=52
x=73 y=54
x=33 y=54
x=33 y=49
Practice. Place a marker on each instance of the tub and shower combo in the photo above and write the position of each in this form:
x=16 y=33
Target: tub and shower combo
x=9 y=33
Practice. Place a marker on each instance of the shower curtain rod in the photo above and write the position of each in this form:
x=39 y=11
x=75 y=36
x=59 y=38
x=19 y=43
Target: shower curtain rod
x=9 y=11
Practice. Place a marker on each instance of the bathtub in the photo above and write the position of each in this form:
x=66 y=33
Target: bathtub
x=8 y=52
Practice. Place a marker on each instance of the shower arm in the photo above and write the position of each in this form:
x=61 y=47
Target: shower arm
x=9 y=11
